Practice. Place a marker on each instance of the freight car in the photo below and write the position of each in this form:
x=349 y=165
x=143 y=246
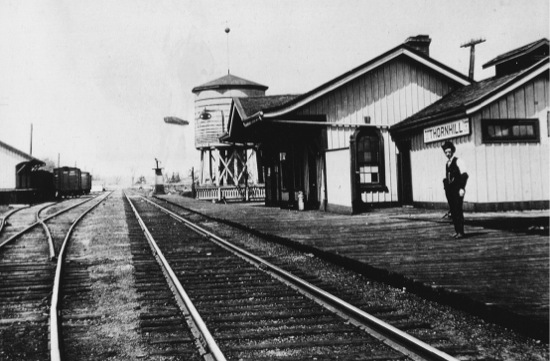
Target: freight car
x=67 y=182
x=35 y=185
x=86 y=182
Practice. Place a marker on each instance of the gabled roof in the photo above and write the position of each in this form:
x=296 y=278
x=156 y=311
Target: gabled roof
x=401 y=50
x=469 y=99
x=229 y=81
x=20 y=153
x=517 y=52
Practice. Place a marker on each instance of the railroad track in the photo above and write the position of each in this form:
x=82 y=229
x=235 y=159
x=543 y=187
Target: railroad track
x=253 y=309
x=164 y=322
x=28 y=248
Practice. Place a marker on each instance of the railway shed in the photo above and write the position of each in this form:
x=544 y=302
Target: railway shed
x=498 y=272
x=500 y=127
x=15 y=168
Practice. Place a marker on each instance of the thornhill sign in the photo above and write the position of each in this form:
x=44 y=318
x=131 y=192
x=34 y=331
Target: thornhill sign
x=446 y=131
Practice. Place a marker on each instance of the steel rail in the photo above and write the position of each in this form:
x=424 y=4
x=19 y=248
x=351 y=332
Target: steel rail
x=39 y=220
x=50 y=239
x=36 y=222
x=390 y=334
x=55 y=350
x=208 y=339
x=7 y=215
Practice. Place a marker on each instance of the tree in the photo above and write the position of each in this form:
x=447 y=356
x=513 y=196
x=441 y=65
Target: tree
x=175 y=178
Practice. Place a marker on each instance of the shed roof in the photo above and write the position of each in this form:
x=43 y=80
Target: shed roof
x=229 y=81
x=22 y=154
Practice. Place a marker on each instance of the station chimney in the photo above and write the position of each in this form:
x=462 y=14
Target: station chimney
x=420 y=43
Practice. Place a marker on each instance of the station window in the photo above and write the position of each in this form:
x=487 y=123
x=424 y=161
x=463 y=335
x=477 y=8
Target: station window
x=368 y=159
x=368 y=146
x=510 y=130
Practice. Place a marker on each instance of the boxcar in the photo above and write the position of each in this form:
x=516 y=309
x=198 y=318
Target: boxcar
x=67 y=182
x=86 y=182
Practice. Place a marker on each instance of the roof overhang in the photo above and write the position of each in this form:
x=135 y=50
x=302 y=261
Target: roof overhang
x=473 y=107
x=261 y=129
x=29 y=165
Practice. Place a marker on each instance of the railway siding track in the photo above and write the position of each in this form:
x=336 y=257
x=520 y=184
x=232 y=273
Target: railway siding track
x=249 y=323
x=26 y=279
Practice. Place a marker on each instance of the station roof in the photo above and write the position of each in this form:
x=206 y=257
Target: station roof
x=251 y=105
x=229 y=81
x=305 y=98
x=468 y=99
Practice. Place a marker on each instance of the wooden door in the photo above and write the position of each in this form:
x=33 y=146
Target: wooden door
x=404 y=177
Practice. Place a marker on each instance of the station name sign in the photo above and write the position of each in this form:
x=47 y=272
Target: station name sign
x=446 y=131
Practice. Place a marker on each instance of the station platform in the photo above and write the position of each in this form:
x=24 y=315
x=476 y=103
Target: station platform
x=499 y=271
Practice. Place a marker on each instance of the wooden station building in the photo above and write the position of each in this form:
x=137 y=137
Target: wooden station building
x=356 y=141
x=500 y=127
x=332 y=143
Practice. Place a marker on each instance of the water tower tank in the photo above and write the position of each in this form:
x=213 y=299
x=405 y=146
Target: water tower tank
x=214 y=98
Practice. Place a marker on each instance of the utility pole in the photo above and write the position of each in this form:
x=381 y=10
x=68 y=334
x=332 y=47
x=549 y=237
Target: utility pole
x=472 y=44
x=31 y=141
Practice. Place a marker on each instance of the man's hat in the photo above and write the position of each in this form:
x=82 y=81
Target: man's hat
x=448 y=145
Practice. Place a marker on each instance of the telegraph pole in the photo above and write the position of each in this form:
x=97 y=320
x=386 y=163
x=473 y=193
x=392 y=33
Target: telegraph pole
x=472 y=44
x=31 y=141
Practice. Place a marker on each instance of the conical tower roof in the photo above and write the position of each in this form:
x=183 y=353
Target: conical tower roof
x=229 y=81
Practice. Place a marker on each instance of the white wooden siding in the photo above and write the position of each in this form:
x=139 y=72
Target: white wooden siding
x=388 y=94
x=428 y=169
x=514 y=172
x=8 y=161
x=499 y=172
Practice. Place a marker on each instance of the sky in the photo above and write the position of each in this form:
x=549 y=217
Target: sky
x=95 y=78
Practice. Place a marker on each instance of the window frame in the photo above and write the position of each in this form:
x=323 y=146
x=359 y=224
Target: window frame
x=380 y=185
x=510 y=122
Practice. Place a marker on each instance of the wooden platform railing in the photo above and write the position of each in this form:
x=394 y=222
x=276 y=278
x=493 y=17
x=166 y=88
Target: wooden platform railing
x=231 y=193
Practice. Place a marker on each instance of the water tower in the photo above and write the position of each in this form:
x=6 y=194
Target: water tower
x=223 y=164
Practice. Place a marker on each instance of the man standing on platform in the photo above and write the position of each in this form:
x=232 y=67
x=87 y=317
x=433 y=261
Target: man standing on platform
x=455 y=184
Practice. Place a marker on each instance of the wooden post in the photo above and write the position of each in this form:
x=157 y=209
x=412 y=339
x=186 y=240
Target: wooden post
x=31 y=141
x=193 y=191
x=201 y=175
